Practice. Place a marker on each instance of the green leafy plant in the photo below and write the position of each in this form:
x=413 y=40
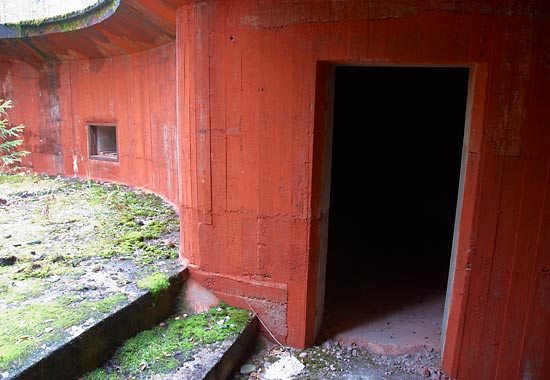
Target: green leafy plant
x=10 y=140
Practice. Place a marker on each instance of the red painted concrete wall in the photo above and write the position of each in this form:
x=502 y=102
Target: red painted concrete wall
x=249 y=143
x=228 y=122
x=136 y=92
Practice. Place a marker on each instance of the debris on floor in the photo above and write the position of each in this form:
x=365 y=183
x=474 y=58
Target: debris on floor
x=284 y=368
x=333 y=360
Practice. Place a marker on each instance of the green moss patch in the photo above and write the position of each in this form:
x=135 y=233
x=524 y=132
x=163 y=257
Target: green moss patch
x=52 y=225
x=73 y=20
x=155 y=284
x=31 y=327
x=167 y=346
x=66 y=246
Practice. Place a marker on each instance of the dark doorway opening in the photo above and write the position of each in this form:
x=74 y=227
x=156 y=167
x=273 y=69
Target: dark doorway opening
x=396 y=159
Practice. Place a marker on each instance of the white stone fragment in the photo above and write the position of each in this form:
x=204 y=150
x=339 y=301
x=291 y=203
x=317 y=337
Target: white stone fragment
x=284 y=369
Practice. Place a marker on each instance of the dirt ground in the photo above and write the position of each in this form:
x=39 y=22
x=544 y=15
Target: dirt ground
x=332 y=360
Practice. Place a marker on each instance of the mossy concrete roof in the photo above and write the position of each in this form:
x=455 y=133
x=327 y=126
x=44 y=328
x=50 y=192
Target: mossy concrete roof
x=103 y=29
x=28 y=10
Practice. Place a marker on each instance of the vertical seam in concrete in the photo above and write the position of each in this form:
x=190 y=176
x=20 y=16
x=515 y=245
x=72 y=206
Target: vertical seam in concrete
x=225 y=79
x=75 y=126
x=193 y=112
x=456 y=367
x=179 y=62
x=512 y=268
x=516 y=252
x=257 y=175
x=366 y=42
x=476 y=98
x=530 y=298
x=464 y=167
x=493 y=252
x=129 y=100
x=187 y=110
x=540 y=224
x=150 y=162
x=178 y=121
x=244 y=264
x=494 y=245
x=209 y=87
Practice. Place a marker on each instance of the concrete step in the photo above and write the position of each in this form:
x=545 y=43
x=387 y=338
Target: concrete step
x=218 y=366
x=87 y=350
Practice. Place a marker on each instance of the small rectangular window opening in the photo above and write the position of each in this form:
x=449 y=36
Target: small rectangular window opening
x=102 y=142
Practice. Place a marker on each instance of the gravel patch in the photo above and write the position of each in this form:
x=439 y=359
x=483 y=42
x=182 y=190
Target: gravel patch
x=333 y=360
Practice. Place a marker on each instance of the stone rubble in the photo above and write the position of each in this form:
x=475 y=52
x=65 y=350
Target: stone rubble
x=332 y=360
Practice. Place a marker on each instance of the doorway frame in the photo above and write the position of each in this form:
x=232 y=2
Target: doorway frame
x=466 y=208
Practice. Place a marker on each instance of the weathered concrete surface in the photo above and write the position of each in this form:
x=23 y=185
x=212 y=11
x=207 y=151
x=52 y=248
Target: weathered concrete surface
x=216 y=367
x=257 y=81
x=94 y=345
x=240 y=106
x=197 y=298
x=56 y=101
x=235 y=354
x=112 y=28
x=27 y=10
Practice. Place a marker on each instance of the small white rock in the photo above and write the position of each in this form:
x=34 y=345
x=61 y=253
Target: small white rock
x=284 y=368
x=248 y=368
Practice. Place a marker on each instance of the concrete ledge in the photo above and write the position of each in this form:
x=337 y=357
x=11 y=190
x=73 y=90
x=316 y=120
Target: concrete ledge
x=267 y=298
x=235 y=354
x=74 y=20
x=94 y=345
x=206 y=366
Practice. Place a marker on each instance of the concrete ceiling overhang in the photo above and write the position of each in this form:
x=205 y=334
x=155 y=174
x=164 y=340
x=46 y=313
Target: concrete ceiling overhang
x=114 y=27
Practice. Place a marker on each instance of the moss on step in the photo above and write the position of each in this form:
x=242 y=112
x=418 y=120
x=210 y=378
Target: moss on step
x=168 y=345
x=155 y=284
x=56 y=229
x=38 y=326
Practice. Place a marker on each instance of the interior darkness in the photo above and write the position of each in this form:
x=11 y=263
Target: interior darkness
x=396 y=159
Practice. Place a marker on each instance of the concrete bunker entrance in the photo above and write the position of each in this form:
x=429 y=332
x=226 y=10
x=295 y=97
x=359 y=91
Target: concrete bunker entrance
x=396 y=159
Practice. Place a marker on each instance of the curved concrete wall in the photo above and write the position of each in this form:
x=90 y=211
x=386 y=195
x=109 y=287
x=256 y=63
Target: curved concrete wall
x=253 y=134
x=229 y=123
x=136 y=92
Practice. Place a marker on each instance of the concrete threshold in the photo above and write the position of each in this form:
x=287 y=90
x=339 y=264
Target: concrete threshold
x=89 y=349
